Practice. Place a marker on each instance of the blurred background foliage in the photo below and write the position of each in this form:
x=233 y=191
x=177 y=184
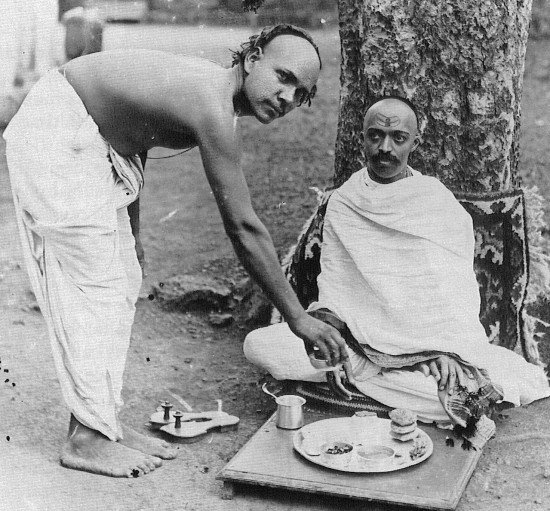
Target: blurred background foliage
x=306 y=13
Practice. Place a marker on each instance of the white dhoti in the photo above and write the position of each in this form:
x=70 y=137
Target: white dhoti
x=71 y=192
x=397 y=269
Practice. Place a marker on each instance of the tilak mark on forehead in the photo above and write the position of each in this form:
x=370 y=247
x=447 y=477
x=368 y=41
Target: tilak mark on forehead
x=387 y=122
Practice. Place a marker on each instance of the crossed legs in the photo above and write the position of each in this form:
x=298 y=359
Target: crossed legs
x=279 y=352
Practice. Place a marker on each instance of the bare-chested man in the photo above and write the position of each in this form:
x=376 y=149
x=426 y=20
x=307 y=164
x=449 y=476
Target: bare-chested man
x=71 y=153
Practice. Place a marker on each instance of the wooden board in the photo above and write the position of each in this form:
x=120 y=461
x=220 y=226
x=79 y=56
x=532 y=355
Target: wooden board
x=269 y=459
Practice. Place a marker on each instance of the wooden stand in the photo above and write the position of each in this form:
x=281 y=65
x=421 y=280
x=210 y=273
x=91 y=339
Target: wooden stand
x=268 y=459
x=191 y=427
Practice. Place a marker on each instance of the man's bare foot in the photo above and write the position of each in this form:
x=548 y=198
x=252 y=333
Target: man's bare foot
x=89 y=450
x=146 y=444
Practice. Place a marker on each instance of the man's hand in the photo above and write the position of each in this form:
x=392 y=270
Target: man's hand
x=447 y=371
x=140 y=255
x=318 y=336
x=324 y=344
x=338 y=379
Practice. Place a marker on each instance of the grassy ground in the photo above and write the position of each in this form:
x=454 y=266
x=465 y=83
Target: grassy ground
x=535 y=132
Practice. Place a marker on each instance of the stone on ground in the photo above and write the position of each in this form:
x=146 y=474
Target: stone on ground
x=192 y=292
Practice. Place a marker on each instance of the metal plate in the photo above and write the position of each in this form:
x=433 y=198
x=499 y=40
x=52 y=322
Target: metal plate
x=362 y=433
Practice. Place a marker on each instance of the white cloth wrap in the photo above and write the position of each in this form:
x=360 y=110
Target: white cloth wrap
x=397 y=268
x=70 y=204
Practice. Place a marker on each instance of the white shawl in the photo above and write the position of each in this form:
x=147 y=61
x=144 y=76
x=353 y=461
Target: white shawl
x=397 y=268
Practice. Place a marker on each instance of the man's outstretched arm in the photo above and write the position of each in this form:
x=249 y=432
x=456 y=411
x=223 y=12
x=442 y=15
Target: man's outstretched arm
x=253 y=243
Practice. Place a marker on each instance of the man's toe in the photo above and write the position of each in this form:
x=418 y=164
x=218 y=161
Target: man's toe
x=150 y=464
x=157 y=462
x=144 y=467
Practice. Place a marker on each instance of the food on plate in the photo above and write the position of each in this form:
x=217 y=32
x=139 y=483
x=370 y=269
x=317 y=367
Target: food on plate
x=419 y=448
x=376 y=453
x=406 y=437
x=311 y=443
x=403 y=430
x=402 y=417
x=338 y=448
x=403 y=425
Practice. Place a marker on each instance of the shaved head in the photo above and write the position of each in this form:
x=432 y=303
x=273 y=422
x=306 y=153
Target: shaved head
x=288 y=44
x=392 y=112
x=268 y=34
x=280 y=76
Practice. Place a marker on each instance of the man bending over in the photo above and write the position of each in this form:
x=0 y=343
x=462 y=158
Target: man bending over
x=72 y=155
x=397 y=279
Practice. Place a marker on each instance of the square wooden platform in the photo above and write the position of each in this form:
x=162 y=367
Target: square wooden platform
x=269 y=459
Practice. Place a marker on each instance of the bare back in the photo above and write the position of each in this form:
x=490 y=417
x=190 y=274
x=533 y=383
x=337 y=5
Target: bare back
x=142 y=99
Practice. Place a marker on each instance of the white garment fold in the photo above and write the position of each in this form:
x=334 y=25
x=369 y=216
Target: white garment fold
x=70 y=203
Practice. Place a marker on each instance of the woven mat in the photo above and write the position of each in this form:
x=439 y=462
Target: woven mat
x=320 y=395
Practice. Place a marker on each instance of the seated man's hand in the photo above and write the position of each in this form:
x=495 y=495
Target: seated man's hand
x=447 y=371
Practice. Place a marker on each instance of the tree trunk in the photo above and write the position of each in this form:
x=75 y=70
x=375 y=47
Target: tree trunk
x=460 y=62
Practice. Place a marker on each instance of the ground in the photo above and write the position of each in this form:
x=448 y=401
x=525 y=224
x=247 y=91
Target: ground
x=174 y=354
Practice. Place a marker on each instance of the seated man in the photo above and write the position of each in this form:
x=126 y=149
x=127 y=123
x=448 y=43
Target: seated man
x=397 y=278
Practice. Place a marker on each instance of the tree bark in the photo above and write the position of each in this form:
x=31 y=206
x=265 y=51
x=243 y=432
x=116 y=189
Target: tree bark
x=460 y=62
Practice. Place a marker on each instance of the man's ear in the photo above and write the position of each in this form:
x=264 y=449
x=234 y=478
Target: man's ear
x=254 y=55
x=417 y=141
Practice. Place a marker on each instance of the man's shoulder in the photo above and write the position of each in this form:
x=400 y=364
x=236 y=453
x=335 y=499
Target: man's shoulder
x=432 y=184
x=428 y=184
x=147 y=61
x=198 y=92
x=353 y=180
x=440 y=199
x=155 y=78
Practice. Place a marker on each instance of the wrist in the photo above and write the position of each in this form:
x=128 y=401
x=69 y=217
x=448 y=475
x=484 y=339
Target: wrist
x=296 y=319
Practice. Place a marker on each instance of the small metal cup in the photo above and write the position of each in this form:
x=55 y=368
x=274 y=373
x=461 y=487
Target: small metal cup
x=290 y=413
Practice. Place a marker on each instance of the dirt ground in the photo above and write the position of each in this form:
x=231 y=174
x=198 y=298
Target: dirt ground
x=182 y=354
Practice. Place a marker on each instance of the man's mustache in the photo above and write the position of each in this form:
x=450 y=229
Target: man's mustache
x=377 y=158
